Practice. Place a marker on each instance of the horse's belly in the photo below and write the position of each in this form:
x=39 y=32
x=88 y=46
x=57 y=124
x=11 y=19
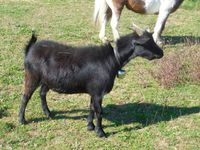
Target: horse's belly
x=137 y=6
x=152 y=6
x=144 y=6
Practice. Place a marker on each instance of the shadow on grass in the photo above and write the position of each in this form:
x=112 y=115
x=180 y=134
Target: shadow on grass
x=57 y=115
x=143 y=113
x=3 y=112
x=181 y=39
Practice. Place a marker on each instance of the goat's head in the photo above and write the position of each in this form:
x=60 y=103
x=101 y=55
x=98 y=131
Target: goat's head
x=145 y=46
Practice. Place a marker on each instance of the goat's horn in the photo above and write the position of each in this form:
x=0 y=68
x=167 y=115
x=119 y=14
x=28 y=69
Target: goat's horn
x=139 y=30
x=148 y=29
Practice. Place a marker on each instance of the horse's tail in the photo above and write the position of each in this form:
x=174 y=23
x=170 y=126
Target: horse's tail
x=30 y=43
x=101 y=10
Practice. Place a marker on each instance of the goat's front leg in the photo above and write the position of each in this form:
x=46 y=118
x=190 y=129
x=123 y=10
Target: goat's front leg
x=90 y=118
x=97 y=101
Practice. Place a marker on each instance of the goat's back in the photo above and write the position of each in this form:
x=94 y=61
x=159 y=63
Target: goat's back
x=69 y=69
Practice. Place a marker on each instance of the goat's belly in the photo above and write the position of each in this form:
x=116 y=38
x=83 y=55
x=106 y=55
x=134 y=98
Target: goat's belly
x=65 y=85
x=69 y=90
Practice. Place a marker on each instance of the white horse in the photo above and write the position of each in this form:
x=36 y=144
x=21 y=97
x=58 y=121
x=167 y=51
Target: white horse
x=106 y=9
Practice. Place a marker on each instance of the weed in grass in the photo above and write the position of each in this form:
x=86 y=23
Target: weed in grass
x=168 y=72
x=5 y=127
x=3 y=111
x=179 y=67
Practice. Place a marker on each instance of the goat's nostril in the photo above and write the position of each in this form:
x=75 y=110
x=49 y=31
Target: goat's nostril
x=159 y=56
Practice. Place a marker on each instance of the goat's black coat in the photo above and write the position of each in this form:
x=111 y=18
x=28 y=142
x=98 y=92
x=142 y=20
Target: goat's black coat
x=91 y=69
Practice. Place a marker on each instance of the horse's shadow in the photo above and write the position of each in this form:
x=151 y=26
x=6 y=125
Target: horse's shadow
x=181 y=39
x=143 y=114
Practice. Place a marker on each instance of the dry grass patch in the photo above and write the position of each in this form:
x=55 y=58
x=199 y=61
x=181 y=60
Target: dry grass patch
x=179 y=67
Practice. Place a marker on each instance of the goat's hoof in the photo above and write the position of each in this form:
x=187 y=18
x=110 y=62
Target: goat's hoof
x=49 y=115
x=100 y=133
x=90 y=127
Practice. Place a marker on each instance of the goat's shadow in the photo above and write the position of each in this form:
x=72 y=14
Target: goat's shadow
x=57 y=115
x=144 y=114
x=181 y=39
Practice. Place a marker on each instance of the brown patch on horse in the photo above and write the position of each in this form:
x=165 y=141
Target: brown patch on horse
x=137 y=6
x=119 y=5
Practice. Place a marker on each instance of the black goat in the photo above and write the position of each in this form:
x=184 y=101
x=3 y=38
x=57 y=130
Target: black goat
x=91 y=70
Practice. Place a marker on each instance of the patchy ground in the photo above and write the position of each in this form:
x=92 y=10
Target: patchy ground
x=138 y=113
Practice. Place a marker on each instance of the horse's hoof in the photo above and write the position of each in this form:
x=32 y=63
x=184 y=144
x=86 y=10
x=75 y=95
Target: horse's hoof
x=160 y=42
x=104 y=40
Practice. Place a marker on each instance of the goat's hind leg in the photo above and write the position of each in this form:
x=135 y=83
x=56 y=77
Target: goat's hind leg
x=43 y=92
x=31 y=83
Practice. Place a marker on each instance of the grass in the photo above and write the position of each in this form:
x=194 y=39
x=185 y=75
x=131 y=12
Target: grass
x=191 y=4
x=138 y=113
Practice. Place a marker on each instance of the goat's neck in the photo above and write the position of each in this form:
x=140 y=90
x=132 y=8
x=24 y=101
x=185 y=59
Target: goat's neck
x=125 y=53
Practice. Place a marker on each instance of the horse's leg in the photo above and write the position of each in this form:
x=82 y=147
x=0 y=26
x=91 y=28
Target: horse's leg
x=116 y=12
x=160 y=25
x=103 y=27
x=114 y=25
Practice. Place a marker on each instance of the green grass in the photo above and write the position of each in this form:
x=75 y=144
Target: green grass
x=138 y=113
x=191 y=4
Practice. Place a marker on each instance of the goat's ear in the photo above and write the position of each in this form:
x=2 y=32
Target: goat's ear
x=142 y=40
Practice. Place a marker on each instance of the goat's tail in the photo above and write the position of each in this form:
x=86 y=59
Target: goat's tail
x=101 y=10
x=30 y=43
